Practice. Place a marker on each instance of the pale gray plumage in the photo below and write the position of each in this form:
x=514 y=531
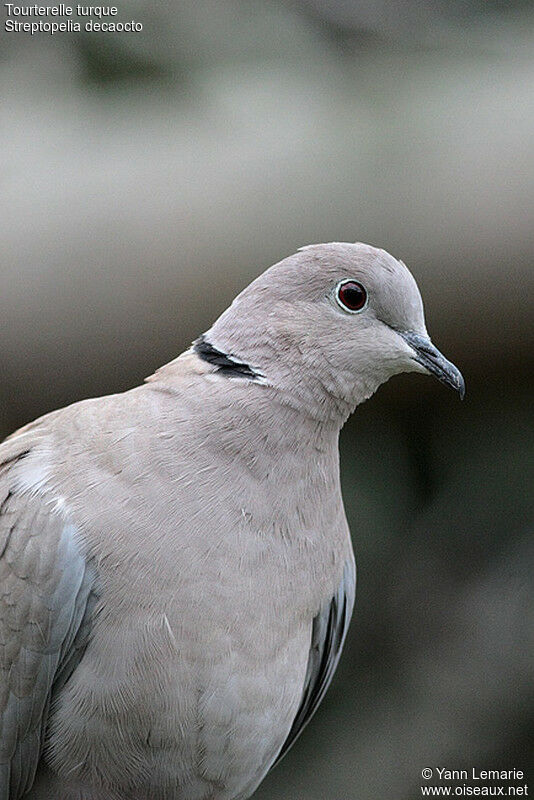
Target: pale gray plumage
x=176 y=569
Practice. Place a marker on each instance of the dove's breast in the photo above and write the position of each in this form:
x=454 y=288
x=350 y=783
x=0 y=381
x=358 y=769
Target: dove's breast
x=208 y=586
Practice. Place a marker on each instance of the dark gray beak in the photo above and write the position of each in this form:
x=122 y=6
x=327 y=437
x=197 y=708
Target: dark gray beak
x=434 y=362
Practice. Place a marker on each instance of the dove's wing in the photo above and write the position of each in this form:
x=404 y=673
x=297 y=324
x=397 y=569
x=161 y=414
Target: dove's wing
x=328 y=633
x=45 y=586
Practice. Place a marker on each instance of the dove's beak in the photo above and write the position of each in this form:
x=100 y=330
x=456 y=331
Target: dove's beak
x=434 y=362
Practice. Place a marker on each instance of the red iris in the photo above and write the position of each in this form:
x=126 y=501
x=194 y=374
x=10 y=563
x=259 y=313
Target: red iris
x=351 y=295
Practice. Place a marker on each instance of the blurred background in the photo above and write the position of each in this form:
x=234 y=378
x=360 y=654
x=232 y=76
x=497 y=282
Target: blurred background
x=146 y=178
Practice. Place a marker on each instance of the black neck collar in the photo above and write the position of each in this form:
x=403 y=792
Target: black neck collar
x=226 y=363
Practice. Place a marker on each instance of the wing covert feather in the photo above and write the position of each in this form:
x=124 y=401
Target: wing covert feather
x=329 y=629
x=45 y=585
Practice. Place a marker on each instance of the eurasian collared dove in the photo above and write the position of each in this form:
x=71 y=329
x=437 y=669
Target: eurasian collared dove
x=176 y=570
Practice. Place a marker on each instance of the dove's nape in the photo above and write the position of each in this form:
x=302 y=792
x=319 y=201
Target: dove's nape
x=177 y=571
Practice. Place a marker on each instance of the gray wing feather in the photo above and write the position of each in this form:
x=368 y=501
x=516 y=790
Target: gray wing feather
x=329 y=629
x=45 y=586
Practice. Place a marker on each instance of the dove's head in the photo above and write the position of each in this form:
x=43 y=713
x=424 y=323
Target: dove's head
x=326 y=327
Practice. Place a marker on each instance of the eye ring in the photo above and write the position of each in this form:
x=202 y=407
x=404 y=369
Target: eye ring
x=351 y=296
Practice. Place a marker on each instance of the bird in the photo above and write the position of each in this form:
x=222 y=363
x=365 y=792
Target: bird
x=176 y=569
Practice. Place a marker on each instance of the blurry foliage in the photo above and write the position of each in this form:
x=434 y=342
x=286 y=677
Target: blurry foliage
x=133 y=211
x=105 y=61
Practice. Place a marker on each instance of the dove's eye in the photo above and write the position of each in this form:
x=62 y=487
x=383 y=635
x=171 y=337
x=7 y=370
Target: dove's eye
x=351 y=296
